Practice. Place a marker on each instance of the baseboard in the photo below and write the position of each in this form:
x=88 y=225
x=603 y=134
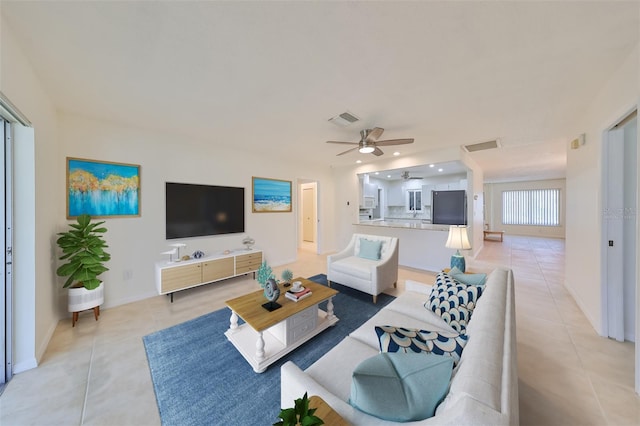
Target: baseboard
x=25 y=366
x=591 y=320
x=127 y=300
x=45 y=342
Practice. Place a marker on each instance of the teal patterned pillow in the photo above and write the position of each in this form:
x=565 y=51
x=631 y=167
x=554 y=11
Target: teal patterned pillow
x=400 y=339
x=453 y=301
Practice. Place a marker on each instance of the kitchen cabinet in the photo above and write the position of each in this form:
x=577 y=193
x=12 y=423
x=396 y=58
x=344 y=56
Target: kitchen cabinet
x=395 y=194
x=426 y=194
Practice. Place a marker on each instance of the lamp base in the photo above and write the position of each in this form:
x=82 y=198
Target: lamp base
x=458 y=262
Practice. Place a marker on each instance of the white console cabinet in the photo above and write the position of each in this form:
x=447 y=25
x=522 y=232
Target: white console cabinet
x=176 y=276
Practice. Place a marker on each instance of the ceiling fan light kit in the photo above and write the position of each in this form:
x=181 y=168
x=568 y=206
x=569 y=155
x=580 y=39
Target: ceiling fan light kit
x=369 y=142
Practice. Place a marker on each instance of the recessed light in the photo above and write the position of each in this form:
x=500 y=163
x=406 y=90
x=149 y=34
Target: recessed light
x=389 y=176
x=377 y=173
x=358 y=161
x=396 y=153
x=439 y=170
x=431 y=165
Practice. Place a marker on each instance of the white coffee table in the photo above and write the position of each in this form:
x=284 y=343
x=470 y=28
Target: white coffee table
x=265 y=337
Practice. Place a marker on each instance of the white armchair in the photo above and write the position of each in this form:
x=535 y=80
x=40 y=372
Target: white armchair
x=368 y=264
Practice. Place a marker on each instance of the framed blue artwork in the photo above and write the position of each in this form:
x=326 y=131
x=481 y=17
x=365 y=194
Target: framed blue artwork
x=102 y=189
x=271 y=195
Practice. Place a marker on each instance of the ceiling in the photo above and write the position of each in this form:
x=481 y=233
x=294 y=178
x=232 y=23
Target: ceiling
x=265 y=77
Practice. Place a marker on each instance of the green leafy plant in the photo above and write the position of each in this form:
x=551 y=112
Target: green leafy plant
x=264 y=273
x=83 y=249
x=287 y=275
x=300 y=414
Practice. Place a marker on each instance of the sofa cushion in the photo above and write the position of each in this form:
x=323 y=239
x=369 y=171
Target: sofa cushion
x=453 y=301
x=400 y=387
x=466 y=278
x=370 y=249
x=354 y=266
x=400 y=339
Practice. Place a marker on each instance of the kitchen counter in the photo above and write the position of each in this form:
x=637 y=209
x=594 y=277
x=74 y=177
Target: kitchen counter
x=407 y=224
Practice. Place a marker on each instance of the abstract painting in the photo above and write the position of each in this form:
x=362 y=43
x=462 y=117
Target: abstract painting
x=102 y=189
x=271 y=195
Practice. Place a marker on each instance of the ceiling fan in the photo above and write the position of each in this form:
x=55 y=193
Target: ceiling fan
x=369 y=144
x=405 y=176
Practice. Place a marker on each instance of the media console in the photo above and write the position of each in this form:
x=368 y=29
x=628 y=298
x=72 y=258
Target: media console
x=176 y=276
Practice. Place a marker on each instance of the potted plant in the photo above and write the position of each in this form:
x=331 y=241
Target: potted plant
x=300 y=414
x=83 y=250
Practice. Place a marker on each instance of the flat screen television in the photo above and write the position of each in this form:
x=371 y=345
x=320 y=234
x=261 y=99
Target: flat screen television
x=449 y=207
x=200 y=210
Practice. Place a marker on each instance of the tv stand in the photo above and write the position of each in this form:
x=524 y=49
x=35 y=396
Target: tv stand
x=177 y=276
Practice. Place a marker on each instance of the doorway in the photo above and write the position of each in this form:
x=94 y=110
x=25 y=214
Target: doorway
x=620 y=186
x=309 y=216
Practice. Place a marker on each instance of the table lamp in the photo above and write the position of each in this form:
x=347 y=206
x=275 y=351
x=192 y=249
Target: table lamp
x=458 y=239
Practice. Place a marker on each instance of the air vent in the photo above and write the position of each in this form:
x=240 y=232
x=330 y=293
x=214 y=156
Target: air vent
x=482 y=146
x=344 y=119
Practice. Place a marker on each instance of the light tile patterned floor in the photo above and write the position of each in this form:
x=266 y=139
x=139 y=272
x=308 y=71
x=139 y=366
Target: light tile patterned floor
x=97 y=374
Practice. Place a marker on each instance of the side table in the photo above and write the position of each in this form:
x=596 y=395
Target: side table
x=325 y=412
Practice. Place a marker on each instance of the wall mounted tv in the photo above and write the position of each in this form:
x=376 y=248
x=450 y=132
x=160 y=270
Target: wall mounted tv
x=199 y=210
x=449 y=207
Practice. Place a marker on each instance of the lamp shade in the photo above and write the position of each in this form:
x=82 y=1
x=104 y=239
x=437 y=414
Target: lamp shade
x=458 y=238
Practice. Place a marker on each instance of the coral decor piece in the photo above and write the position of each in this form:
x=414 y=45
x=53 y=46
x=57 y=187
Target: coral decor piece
x=264 y=273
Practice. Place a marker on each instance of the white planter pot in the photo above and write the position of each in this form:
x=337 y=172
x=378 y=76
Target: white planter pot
x=81 y=299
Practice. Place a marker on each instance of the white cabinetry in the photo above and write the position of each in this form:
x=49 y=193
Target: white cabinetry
x=426 y=194
x=395 y=194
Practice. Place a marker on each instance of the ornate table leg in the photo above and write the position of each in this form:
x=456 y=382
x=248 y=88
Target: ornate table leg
x=260 y=347
x=233 y=326
x=330 y=315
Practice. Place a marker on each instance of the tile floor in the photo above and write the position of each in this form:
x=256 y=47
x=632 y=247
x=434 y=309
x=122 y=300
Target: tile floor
x=97 y=374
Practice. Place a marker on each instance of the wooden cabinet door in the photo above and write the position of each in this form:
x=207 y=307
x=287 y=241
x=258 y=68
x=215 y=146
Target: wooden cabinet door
x=213 y=270
x=180 y=277
x=249 y=262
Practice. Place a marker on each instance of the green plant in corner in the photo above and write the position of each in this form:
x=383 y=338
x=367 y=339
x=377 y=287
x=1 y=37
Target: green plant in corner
x=83 y=249
x=300 y=414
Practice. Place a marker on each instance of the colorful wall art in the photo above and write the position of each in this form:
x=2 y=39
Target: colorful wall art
x=271 y=195
x=102 y=189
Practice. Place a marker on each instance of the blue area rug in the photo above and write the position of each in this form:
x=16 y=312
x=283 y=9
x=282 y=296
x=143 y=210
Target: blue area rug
x=201 y=379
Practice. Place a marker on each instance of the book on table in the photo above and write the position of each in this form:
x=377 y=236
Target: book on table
x=295 y=297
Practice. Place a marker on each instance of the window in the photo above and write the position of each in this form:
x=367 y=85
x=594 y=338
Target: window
x=414 y=200
x=538 y=207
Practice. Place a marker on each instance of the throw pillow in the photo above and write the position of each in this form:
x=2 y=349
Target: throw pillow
x=400 y=339
x=370 y=249
x=453 y=301
x=400 y=387
x=468 y=279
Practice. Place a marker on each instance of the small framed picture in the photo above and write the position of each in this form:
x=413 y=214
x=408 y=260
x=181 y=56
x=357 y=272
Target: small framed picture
x=271 y=195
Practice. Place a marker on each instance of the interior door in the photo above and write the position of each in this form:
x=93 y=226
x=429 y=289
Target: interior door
x=614 y=202
x=309 y=214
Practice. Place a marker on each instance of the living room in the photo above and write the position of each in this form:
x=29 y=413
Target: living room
x=175 y=150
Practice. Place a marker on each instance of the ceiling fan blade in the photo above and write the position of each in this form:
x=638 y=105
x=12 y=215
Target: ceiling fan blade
x=394 y=142
x=349 y=150
x=375 y=133
x=377 y=152
x=344 y=143
x=415 y=177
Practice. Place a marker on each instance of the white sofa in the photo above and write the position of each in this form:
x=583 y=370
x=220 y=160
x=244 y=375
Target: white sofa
x=369 y=276
x=484 y=386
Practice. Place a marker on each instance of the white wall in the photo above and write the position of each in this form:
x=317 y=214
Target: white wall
x=493 y=199
x=36 y=206
x=136 y=243
x=584 y=188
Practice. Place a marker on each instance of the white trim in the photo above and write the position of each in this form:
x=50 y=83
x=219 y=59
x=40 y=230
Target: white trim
x=11 y=113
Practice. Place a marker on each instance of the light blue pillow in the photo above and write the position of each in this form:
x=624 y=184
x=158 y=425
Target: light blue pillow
x=401 y=387
x=407 y=340
x=370 y=249
x=468 y=279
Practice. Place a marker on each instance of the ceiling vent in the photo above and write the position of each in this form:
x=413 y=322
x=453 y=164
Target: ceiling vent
x=344 y=119
x=474 y=147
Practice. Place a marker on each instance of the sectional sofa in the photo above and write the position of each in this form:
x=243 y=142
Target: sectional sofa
x=483 y=389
